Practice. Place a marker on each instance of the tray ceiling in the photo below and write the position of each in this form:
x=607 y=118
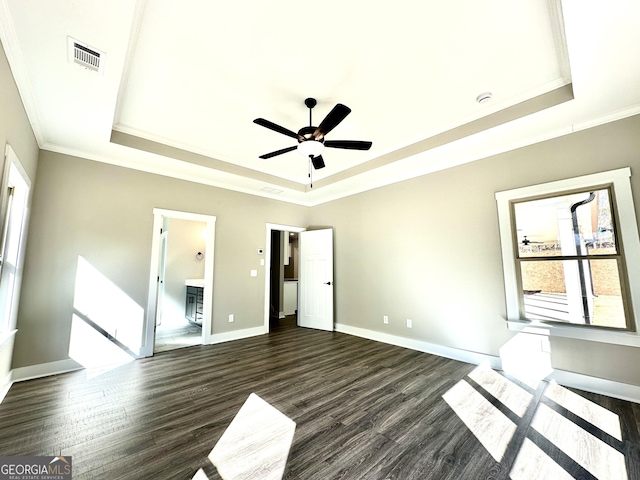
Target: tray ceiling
x=183 y=81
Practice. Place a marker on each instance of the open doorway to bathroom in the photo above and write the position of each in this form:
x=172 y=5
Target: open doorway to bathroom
x=181 y=281
x=181 y=285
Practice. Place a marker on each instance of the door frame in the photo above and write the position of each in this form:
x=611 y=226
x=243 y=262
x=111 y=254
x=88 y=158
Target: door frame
x=162 y=255
x=267 y=264
x=207 y=320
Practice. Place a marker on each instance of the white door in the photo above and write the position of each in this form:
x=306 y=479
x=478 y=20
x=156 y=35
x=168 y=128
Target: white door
x=315 y=305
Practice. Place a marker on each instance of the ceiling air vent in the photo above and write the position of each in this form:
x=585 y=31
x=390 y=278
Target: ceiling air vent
x=86 y=56
x=271 y=190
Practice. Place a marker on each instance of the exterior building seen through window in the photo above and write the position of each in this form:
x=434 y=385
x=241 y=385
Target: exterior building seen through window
x=569 y=260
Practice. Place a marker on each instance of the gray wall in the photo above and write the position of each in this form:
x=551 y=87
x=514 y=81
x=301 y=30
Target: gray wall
x=425 y=249
x=428 y=249
x=15 y=130
x=105 y=214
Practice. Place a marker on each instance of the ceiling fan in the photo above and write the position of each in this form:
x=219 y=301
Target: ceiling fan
x=311 y=141
x=526 y=241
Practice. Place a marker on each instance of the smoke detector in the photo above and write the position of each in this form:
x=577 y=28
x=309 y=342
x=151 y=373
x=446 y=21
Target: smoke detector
x=86 y=56
x=484 y=97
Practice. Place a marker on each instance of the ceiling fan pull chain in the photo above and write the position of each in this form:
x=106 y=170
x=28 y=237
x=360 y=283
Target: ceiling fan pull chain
x=310 y=172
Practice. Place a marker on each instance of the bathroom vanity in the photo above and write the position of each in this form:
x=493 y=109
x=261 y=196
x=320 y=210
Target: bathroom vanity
x=195 y=299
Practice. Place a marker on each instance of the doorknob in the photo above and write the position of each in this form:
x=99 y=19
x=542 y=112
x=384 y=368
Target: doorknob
x=327 y=283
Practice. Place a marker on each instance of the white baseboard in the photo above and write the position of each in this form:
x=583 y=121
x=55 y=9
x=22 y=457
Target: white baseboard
x=236 y=335
x=70 y=365
x=442 y=351
x=6 y=351
x=281 y=315
x=601 y=386
x=45 y=369
x=5 y=386
x=587 y=383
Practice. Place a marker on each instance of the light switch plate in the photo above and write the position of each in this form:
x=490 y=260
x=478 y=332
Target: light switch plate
x=254 y=273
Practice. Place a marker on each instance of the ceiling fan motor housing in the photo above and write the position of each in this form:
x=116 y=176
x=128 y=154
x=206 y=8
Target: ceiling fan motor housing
x=307 y=133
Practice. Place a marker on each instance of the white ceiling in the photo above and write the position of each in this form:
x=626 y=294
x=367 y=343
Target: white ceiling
x=183 y=82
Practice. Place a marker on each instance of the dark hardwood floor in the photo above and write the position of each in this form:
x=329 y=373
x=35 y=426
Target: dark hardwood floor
x=362 y=410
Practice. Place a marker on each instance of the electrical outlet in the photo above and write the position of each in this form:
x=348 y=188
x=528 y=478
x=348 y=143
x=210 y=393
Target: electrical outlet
x=385 y=319
x=231 y=317
x=409 y=323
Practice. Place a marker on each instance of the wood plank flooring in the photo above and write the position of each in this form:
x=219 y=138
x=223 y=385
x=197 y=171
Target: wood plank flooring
x=362 y=410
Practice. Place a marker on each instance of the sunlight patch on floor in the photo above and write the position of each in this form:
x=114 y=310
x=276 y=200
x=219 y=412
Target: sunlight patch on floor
x=593 y=413
x=532 y=462
x=512 y=396
x=200 y=475
x=256 y=444
x=600 y=459
x=536 y=459
x=490 y=426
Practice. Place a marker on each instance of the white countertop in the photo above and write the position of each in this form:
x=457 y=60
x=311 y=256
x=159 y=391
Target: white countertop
x=194 y=282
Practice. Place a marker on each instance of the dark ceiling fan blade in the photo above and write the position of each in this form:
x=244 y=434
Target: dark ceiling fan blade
x=278 y=152
x=348 y=144
x=318 y=162
x=334 y=117
x=276 y=128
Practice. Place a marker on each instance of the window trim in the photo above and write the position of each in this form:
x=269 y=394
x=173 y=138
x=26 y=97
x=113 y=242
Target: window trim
x=622 y=201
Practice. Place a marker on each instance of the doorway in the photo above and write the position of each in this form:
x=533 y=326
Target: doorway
x=281 y=282
x=180 y=305
x=179 y=311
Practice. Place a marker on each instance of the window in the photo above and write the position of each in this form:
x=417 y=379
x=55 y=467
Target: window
x=5 y=210
x=569 y=260
x=14 y=196
x=571 y=255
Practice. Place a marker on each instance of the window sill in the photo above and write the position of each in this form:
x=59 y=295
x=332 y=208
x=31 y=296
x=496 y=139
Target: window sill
x=629 y=339
x=5 y=336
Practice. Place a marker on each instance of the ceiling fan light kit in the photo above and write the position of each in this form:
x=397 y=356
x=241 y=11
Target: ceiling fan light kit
x=310 y=148
x=311 y=141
